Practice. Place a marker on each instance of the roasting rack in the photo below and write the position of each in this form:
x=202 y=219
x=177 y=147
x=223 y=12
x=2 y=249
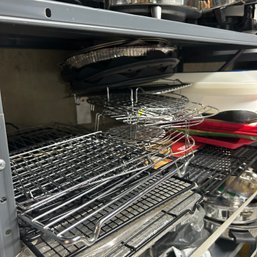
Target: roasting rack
x=212 y=165
x=150 y=109
x=60 y=187
x=157 y=140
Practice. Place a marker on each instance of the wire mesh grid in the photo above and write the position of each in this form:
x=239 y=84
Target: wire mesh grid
x=43 y=172
x=137 y=134
x=159 y=195
x=212 y=165
x=60 y=187
x=173 y=110
x=164 y=86
x=27 y=139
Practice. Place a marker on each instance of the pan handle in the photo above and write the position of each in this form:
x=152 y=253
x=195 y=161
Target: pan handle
x=242 y=237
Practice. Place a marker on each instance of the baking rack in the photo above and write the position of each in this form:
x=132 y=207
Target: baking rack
x=30 y=138
x=148 y=109
x=60 y=187
x=163 y=86
x=149 y=232
x=53 y=170
x=212 y=165
x=137 y=134
x=165 y=191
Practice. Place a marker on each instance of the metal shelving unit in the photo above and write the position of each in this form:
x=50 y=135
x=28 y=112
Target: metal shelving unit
x=9 y=239
x=32 y=23
x=31 y=20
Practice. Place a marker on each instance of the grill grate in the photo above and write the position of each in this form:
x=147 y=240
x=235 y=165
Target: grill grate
x=212 y=165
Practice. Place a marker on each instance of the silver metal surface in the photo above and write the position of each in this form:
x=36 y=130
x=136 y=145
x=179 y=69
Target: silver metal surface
x=145 y=2
x=73 y=21
x=221 y=229
x=212 y=225
x=235 y=190
x=9 y=238
x=156 y=12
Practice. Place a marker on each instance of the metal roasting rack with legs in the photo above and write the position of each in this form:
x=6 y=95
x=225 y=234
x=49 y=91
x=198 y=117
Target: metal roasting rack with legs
x=87 y=180
x=136 y=107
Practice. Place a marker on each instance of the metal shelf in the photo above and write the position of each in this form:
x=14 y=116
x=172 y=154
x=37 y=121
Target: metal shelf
x=27 y=19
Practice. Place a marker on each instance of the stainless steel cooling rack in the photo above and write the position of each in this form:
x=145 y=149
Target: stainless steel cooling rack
x=58 y=188
x=163 y=86
x=151 y=109
x=48 y=172
x=165 y=191
x=137 y=134
x=27 y=139
x=136 y=241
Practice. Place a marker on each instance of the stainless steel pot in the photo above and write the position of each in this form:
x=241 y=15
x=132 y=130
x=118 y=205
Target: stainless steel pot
x=220 y=210
x=233 y=193
x=236 y=233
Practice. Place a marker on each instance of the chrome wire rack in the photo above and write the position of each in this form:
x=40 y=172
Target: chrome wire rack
x=51 y=171
x=35 y=137
x=137 y=134
x=58 y=188
x=151 y=109
x=165 y=191
x=163 y=86
x=148 y=233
